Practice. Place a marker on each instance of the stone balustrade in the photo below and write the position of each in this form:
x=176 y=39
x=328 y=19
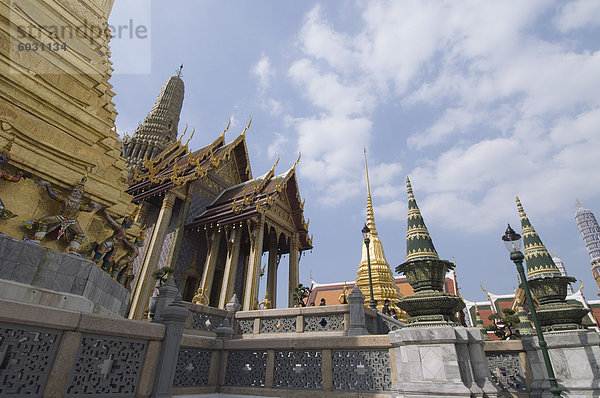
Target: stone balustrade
x=291 y=365
x=331 y=319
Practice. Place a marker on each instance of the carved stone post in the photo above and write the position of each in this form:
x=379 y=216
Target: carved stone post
x=166 y=295
x=272 y=271
x=173 y=317
x=231 y=264
x=145 y=283
x=252 y=275
x=226 y=330
x=294 y=269
x=357 y=313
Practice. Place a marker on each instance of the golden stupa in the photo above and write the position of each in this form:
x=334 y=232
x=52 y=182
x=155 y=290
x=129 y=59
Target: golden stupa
x=384 y=284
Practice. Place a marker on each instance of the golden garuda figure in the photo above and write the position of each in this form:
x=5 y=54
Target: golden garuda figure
x=109 y=246
x=65 y=222
x=5 y=214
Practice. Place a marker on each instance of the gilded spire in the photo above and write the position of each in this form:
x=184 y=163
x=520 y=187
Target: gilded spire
x=370 y=212
x=419 y=245
x=384 y=284
x=539 y=261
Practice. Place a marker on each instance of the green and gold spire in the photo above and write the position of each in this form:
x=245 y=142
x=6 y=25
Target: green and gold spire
x=384 y=284
x=419 y=245
x=539 y=261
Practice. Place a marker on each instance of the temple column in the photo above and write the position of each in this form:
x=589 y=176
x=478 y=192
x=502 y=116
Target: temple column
x=231 y=264
x=208 y=274
x=272 y=271
x=180 y=226
x=294 y=256
x=252 y=275
x=145 y=284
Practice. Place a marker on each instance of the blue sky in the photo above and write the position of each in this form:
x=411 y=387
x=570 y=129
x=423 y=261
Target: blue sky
x=475 y=101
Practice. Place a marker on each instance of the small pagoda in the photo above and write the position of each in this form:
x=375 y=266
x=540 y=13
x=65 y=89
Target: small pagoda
x=547 y=283
x=429 y=305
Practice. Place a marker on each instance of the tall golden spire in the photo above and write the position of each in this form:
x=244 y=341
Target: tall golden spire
x=370 y=212
x=384 y=284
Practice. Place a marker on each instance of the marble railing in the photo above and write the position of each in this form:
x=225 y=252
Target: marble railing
x=332 y=319
x=290 y=365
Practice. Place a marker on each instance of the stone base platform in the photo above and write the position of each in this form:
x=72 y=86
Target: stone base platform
x=34 y=274
x=575 y=359
x=441 y=362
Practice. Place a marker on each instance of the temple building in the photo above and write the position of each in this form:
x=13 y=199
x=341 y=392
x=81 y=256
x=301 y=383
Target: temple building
x=590 y=232
x=209 y=219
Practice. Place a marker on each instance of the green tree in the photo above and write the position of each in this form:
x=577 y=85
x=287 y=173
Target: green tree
x=300 y=293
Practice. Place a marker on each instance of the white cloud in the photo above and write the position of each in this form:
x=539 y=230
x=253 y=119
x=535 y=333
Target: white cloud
x=395 y=210
x=262 y=69
x=578 y=14
x=510 y=108
x=277 y=145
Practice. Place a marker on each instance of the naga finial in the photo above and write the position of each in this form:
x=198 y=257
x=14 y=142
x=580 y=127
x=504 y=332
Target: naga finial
x=193 y=131
x=578 y=204
x=182 y=135
x=297 y=161
x=227 y=128
x=248 y=126
x=179 y=71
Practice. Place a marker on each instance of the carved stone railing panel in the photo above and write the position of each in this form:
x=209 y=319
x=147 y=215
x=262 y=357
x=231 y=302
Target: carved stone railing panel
x=325 y=323
x=278 y=325
x=386 y=324
x=298 y=369
x=206 y=322
x=246 y=368
x=106 y=366
x=192 y=368
x=506 y=371
x=361 y=370
x=26 y=357
x=245 y=326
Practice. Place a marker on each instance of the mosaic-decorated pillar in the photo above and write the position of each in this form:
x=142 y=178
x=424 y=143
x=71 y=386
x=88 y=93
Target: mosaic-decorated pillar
x=145 y=283
x=294 y=269
x=208 y=274
x=253 y=272
x=231 y=263
x=272 y=271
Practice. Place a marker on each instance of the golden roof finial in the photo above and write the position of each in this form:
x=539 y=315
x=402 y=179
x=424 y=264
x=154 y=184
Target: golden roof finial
x=227 y=128
x=489 y=298
x=248 y=126
x=579 y=204
x=193 y=131
x=297 y=160
x=409 y=190
x=182 y=135
x=520 y=207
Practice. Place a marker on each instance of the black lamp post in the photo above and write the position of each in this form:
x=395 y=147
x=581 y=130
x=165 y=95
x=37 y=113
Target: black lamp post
x=512 y=241
x=366 y=232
